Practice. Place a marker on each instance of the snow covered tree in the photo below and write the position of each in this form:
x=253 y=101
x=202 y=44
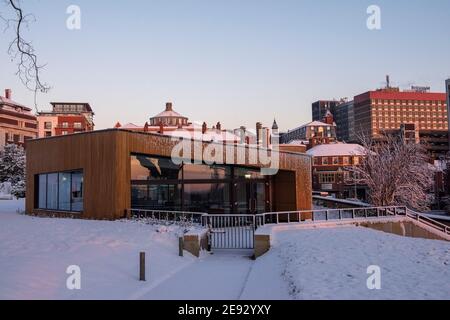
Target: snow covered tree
x=396 y=173
x=12 y=168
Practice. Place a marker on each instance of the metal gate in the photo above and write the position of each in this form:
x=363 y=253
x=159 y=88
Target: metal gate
x=231 y=231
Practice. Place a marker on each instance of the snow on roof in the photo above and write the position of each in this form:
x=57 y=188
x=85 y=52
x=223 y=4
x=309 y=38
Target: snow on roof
x=336 y=149
x=131 y=126
x=298 y=142
x=12 y=103
x=313 y=124
x=169 y=114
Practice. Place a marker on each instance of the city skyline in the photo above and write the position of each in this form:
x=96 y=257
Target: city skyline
x=211 y=60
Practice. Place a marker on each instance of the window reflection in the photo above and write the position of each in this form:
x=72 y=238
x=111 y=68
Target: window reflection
x=153 y=168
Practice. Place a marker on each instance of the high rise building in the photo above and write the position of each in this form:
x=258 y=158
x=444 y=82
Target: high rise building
x=344 y=117
x=447 y=88
x=320 y=108
x=389 y=110
x=17 y=122
x=65 y=118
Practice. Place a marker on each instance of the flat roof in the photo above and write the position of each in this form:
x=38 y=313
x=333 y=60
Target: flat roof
x=158 y=136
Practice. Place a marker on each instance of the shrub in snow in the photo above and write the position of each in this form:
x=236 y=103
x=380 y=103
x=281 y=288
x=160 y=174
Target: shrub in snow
x=12 y=168
x=18 y=189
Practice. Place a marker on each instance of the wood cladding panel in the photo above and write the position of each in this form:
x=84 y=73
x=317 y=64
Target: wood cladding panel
x=104 y=157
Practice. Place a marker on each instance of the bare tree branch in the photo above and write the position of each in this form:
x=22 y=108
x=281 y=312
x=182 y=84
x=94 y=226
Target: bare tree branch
x=22 y=51
x=396 y=172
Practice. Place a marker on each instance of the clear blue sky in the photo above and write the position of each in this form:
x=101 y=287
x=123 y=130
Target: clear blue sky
x=237 y=61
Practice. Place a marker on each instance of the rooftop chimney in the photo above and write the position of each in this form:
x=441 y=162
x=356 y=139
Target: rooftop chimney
x=169 y=106
x=8 y=94
x=204 y=127
x=258 y=133
x=219 y=126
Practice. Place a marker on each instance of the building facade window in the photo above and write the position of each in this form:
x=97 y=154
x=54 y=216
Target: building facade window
x=47 y=125
x=62 y=191
x=159 y=184
x=327 y=178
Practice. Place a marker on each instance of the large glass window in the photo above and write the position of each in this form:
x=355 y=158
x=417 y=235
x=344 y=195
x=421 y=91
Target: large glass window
x=77 y=191
x=159 y=184
x=154 y=168
x=205 y=172
x=60 y=191
x=156 y=197
x=208 y=197
x=64 y=192
x=42 y=187
x=52 y=191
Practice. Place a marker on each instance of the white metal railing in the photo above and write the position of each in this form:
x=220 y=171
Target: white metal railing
x=428 y=221
x=329 y=215
x=287 y=217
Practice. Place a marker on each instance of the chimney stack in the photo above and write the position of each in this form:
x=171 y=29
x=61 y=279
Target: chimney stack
x=258 y=133
x=169 y=106
x=219 y=126
x=8 y=94
x=204 y=127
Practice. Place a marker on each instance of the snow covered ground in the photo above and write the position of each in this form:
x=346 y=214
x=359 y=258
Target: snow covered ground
x=331 y=263
x=303 y=264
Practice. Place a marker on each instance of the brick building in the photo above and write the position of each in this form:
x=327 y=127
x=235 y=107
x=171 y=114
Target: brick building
x=313 y=133
x=387 y=111
x=17 y=122
x=329 y=172
x=66 y=118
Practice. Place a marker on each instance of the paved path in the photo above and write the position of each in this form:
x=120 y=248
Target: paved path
x=222 y=275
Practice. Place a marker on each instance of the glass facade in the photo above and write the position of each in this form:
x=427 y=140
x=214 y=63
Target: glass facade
x=159 y=184
x=61 y=191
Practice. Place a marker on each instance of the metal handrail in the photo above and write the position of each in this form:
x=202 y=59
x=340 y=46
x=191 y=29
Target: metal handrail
x=428 y=221
x=296 y=216
x=368 y=213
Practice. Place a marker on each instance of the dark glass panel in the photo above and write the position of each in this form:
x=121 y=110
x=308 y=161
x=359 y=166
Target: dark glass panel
x=42 y=191
x=77 y=191
x=247 y=173
x=52 y=191
x=64 y=192
x=206 y=197
x=206 y=172
x=156 y=197
x=154 y=168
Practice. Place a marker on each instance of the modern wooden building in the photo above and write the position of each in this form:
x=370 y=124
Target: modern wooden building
x=102 y=174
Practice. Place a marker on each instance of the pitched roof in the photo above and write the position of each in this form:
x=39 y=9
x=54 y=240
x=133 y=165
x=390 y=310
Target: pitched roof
x=313 y=124
x=12 y=103
x=336 y=149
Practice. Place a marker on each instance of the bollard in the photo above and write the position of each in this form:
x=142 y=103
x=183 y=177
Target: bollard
x=142 y=266
x=181 y=246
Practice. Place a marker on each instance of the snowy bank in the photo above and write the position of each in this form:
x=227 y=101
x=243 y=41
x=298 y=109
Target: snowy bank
x=35 y=253
x=331 y=263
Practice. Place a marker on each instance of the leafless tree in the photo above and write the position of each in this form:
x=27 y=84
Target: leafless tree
x=395 y=172
x=22 y=51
